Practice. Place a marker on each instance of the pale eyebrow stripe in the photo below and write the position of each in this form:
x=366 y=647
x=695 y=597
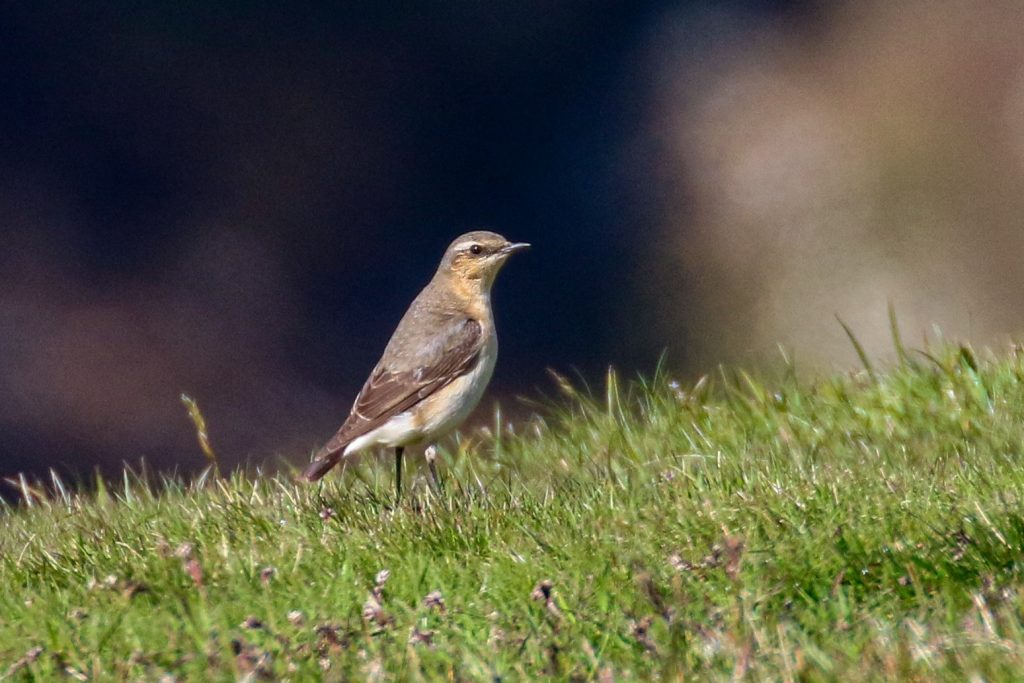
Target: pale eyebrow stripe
x=464 y=245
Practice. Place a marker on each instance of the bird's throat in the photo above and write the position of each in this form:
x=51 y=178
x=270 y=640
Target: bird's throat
x=472 y=294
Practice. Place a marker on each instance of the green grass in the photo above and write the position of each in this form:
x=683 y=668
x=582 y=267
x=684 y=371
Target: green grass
x=862 y=527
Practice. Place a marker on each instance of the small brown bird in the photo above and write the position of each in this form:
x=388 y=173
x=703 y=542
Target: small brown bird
x=437 y=364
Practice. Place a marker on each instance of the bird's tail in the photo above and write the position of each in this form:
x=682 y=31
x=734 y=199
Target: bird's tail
x=321 y=465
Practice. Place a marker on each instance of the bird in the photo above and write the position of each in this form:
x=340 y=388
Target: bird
x=437 y=365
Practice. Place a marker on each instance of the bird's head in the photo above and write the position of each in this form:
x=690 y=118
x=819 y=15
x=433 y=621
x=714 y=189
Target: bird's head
x=473 y=260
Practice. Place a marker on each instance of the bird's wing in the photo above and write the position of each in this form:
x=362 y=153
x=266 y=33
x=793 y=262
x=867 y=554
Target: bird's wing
x=393 y=390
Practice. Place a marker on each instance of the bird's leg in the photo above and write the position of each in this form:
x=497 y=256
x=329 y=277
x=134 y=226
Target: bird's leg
x=398 y=473
x=431 y=455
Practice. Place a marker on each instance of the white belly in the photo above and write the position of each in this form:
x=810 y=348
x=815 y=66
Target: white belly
x=437 y=415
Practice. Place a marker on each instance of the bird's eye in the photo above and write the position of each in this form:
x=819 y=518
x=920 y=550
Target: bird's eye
x=475 y=249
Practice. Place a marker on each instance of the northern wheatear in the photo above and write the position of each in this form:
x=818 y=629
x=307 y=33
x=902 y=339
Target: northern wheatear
x=437 y=364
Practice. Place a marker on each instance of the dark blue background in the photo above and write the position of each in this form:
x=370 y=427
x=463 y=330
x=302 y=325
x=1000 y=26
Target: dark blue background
x=354 y=141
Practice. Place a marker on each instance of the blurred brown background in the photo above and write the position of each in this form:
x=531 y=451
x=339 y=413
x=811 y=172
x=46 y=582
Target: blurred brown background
x=874 y=154
x=238 y=200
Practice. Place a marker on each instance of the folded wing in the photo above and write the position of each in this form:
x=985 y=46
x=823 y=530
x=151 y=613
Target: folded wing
x=393 y=389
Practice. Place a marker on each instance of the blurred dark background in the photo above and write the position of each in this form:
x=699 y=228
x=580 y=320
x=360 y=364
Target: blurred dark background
x=238 y=200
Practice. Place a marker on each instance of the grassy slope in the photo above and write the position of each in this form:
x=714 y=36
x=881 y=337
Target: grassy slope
x=856 y=528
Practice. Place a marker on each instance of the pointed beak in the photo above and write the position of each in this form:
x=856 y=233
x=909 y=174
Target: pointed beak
x=514 y=247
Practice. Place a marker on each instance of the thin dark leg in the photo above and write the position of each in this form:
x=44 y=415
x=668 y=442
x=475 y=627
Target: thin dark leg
x=431 y=455
x=398 y=473
x=437 y=479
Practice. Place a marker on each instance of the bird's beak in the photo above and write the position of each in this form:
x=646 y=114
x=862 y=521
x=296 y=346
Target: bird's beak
x=514 y=247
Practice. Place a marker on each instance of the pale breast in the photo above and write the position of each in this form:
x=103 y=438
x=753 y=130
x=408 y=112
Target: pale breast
x=449 y=407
